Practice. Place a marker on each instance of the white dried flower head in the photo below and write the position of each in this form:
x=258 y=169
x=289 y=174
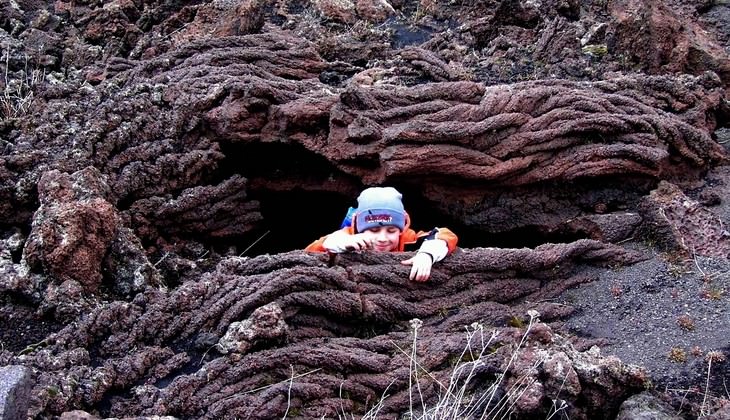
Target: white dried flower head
x=533 y=313
x=416 y=323
x=476 y=325
x=715 y=356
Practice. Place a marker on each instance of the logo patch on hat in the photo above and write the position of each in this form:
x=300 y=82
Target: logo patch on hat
x=378 y=218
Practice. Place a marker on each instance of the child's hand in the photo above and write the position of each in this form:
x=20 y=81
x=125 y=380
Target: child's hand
x=359 y=242
x=339 y=242
x=421 y=266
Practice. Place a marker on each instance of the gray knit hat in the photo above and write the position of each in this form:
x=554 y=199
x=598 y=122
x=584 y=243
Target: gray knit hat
x=380 y=206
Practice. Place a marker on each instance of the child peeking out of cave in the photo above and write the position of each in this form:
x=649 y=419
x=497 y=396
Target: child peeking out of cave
x=380 y=223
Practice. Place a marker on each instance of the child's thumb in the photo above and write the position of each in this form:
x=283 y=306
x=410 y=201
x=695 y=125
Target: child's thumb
x=409 y=261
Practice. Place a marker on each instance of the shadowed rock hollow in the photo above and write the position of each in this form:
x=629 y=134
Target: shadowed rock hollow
x=151 y=151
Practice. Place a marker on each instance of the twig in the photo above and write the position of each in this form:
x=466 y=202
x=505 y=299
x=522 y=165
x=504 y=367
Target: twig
x=254 y=242
x=177 y=30
x=373 y=412
x=414 y=368
x=508 y=412
x=206 y=353
x=514 y=355
x=563 y=405
x=410 y=375
x=281 y=382
x=288 y=398
x=200 y=258
x=419 y=365
x=707 y=388
x=161 y=259
x=341 y=406
x=684 y=397
x=694 y=258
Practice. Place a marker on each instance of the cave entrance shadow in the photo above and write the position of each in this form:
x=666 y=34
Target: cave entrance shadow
x=303 y=197
x=295 y=218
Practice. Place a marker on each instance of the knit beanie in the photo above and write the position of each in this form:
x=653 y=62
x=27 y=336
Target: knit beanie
x=380 y=206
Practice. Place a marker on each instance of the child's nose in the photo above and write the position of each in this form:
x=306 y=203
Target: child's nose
x=382 y=236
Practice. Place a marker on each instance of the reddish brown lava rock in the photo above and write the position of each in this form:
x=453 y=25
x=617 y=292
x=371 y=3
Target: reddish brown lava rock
x=218 y=211
x=337 y=10
x=220 y=19
x=651 y=33
x=426 y=99
x=681 y=223
x=496 y=137
x=122 y=351
x=374 y=10
x=73 y=228
x=265 y=324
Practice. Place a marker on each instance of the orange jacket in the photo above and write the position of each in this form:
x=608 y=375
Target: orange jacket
x=407 y=237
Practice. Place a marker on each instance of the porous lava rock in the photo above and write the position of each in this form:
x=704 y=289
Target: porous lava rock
x=77 y=238
x=146 y=146
x=73 y=228
x=681 y=223
x=303 y=330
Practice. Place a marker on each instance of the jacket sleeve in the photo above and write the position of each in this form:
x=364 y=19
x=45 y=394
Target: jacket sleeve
x=444 y=234
x=436 y=249
x=447 y=235
x=317 y=246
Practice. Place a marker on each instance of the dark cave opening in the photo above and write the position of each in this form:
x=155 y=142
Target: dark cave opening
x=295 y=218
x=303 y=196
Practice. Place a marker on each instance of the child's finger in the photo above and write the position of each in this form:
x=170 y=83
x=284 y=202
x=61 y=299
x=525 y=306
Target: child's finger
x=421 y=269
x=421 y=275
x=418 y=274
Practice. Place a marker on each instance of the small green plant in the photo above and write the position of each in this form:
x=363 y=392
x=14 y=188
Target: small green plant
x=712 y=293
x=420 y=13
x=616 y=266
x=595 y=50
x=294 y=412
x=686 y=322
x=676 y=270
x=33 y=347
x=677 y=355
x=650 y=241
x=516 y=322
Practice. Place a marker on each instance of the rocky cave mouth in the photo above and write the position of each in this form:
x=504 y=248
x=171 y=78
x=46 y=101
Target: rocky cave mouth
x=302 y=197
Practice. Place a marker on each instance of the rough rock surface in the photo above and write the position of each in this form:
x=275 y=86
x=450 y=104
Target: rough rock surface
x=645 y=406
x=579 y=149
x=312 y=317
x=16 y=383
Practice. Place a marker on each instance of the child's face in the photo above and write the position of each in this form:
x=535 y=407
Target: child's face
x=383 y=238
